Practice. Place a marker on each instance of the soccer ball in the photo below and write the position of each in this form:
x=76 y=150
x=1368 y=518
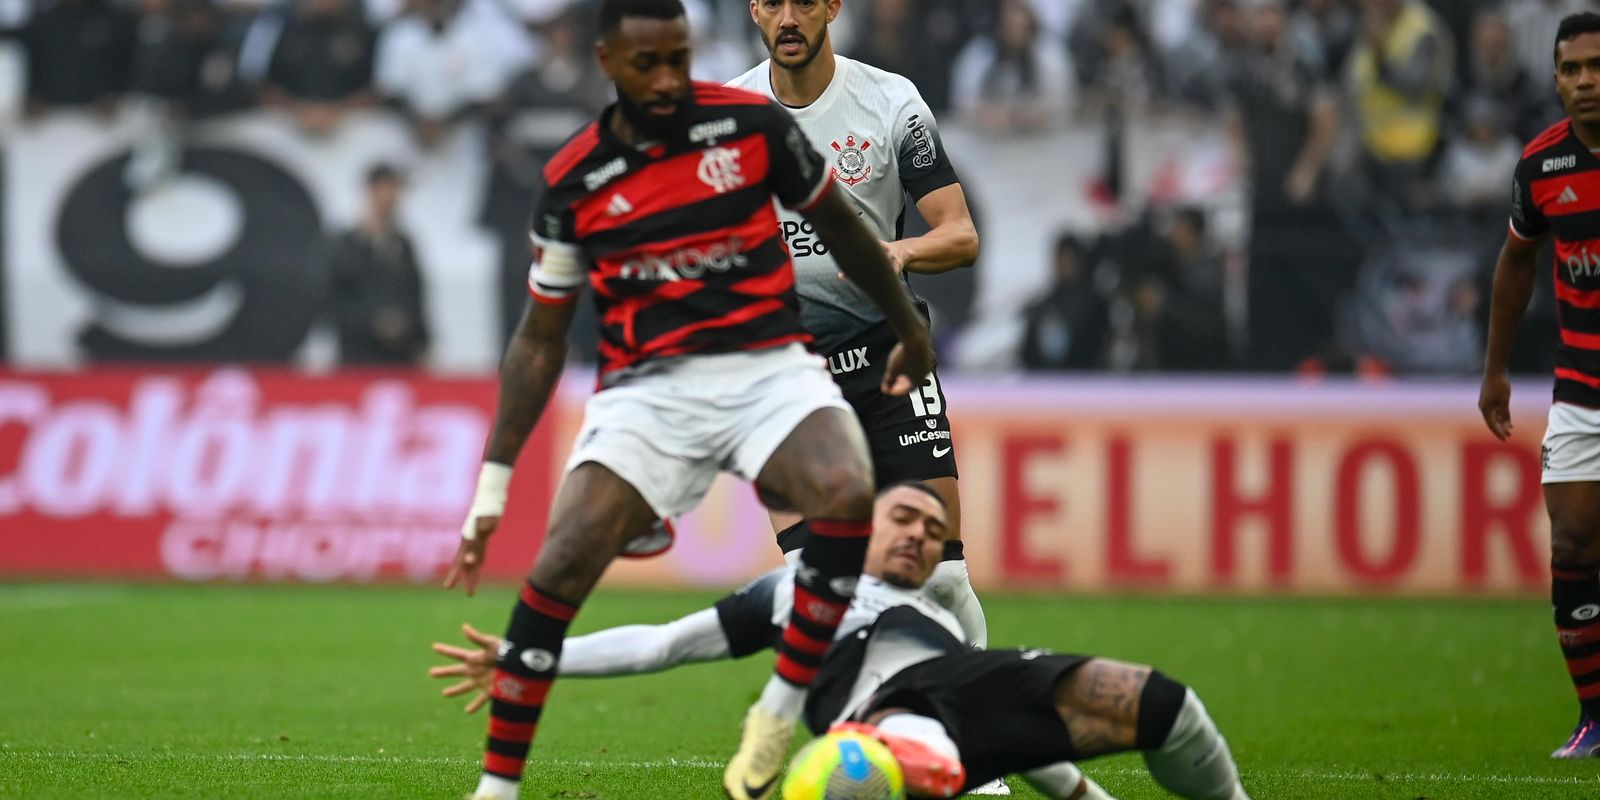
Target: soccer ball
x=844 y=766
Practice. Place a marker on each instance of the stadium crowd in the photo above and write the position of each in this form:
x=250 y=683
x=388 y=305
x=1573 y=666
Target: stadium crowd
x=1375 y=139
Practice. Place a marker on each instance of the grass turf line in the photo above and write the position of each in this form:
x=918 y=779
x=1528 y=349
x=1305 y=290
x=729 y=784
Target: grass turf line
x=268 y=692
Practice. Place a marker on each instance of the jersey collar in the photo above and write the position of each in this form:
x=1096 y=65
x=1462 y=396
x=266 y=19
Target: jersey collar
x=825 y=101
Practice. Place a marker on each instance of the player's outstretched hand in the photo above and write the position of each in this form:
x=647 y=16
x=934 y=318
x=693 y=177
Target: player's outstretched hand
x=470 y=553
x=910 y=362
x=476 y=668
x=1494 y=402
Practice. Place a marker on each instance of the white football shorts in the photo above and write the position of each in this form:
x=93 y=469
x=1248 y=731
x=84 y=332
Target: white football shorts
x=1571 y=449
x=669 y=430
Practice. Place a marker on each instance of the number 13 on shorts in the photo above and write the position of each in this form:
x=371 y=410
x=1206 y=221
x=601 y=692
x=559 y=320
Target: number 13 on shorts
x=925 y=401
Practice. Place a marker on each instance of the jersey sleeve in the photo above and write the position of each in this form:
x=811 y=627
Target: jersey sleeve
x=1527 y=221
x=924 y=165
x=747 y=614
x=798 y=174
x=559 y=266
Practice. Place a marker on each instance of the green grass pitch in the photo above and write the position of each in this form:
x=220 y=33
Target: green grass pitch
x=320 y=692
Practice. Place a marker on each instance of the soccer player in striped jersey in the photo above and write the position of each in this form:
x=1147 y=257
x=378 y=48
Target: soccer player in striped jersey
x=1556 y=195
x=663 y=207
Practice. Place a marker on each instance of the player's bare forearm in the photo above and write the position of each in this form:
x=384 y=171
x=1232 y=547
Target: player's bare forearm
x=1324 y=132
x=529 y=373
x=1514 y=275
x=952 y=242
x=864 y=261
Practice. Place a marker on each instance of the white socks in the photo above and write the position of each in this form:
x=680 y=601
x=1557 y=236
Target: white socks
x=925 y=730
x=494 y=787
x=783 y=698
x=1194 y=762
x=949 y=587
x=1058 y=782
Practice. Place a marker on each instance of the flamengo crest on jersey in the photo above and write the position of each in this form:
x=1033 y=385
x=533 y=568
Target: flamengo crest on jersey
x=1556 y=192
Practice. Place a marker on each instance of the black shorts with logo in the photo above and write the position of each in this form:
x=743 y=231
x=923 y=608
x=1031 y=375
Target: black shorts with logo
x=998 y=705
x=909 y=437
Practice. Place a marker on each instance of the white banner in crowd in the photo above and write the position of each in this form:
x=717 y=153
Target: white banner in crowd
x=228 y=238
x=213 y=263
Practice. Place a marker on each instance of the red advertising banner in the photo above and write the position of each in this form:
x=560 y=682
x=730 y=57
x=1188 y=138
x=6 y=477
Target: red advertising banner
x=232 y=474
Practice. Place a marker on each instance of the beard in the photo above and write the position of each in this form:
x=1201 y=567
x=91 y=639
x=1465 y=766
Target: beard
x=807 y=55
x=649 y=125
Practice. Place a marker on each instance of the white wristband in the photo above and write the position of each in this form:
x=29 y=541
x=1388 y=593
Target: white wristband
x=490 y=499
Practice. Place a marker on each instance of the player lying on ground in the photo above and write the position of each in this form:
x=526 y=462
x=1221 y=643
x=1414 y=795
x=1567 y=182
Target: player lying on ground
x=1029 y=712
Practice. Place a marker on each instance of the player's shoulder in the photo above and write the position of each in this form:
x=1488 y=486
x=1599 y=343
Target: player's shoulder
x=882 y=94
x=1551 y=138
x=720 y=110
x=581 y=146
x=719 y=95
x=891 y=85
x=756 y=79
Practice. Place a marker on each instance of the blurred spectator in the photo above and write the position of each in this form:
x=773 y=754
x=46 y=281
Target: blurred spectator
x=1066 y=327
x=80 y=52
x=1016 y=81
x=541 y=108
x=1172 y=22
x=1477 y=167
x=448 y=59
x=564 y=76
x=1116 y=64
x=375 y=286
x=1533 y=26
x=1400 y=73
x=1282 y=112
x=13 y=61
x=1203 y=65
x=1494 y=74
x=174 y=40
x=914 y=38
x=1170 y=316
x=1329 y=25
x=321 y=67
x=1283 y=117
x=717 y=58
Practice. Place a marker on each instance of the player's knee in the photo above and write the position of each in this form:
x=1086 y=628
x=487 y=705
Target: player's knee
x=1574 y=545
x=1160 y=702
x=840 y=491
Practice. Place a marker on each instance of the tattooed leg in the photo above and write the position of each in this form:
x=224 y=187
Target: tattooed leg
x=1099 y=702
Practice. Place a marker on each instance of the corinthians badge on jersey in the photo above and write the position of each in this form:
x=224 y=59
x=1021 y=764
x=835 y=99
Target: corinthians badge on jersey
x=851 y=167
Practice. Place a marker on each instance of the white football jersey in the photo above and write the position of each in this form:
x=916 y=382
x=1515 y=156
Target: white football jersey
x=881 y=140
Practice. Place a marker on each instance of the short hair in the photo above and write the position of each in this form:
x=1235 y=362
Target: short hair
x=1194 y=216
x=918 y=486
x=1572 y=26
x=612 y=12
x=383 y=172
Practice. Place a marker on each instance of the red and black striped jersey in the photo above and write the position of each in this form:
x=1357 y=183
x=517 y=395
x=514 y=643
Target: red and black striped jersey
x=1557 y=191
x=680 y=241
